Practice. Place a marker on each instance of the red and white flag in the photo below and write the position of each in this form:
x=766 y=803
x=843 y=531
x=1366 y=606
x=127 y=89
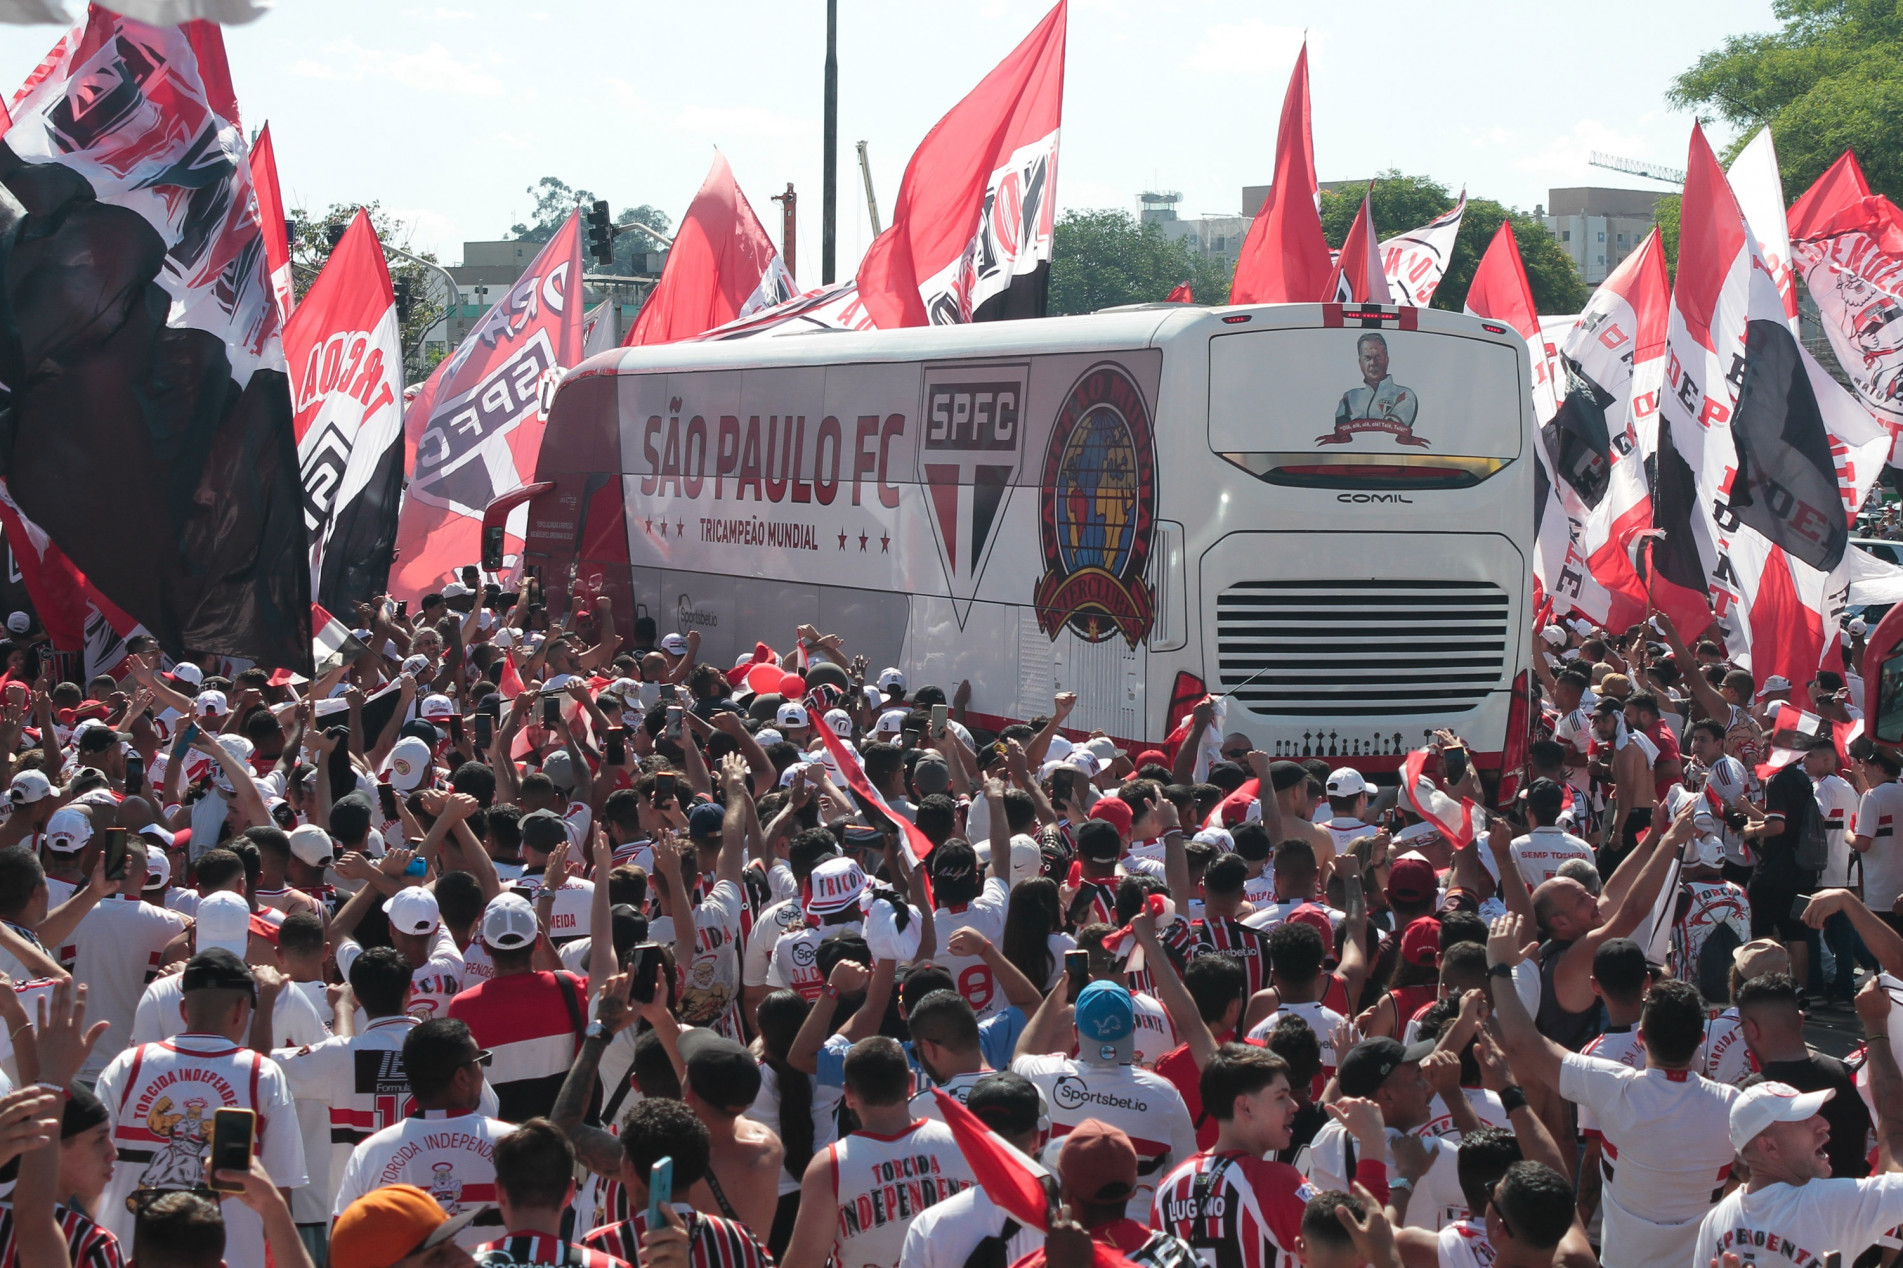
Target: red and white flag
x=1794 y=731
x=1284 y=258
x=277 y=239
x=1613 y=361
x=917 y=844
x=1848 y=244
x=1180 y=294
x=1760 y=193
x=972 y=227
x=1780 y=456
x=1016 y=1183
x=1358 y=276
x=598 y=329
x=346 y=359
x=1416 y=262
x=1452 y=818
x=1500 y=292
x=721 y=267
x=475 y=430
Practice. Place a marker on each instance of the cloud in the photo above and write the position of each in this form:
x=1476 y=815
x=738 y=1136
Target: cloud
x=426 y=230
x=1250 y=47
x=1569 y=154
x=432 y=69
x=755 y=122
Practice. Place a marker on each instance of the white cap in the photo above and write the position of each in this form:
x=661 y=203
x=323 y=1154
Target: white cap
x=626 y=690
x=891 y=680
x=1346 y=781
x=891 y=722
x=1756 y=1108
x=675 y=644
x=414 y=910
x=792 y=714
x=1218 y=837
x=508 y=923
x=187 y=672
x=312 y=845
x=874 y=700
x=158 y=869
x=834 y=886
x=223 y=920
x=1084 y=760
x=68 y=830
x=454 y=590
x=436 y=706
x=28 y=787
x=155 y=831
x=841 y=723
x=210 y=704
x=1775 y=683
x=1103 y=748
x=792 y=769
x=417 y=664
x=19 y=622
x=409 y=763
x=241 y=749
x=1554 y=636
x=1059 y=747
x=1857 y=627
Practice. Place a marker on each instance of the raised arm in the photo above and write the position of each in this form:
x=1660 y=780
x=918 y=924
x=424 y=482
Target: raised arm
x=1531 y=1052
x=598 y=1150
x=1713 y=705
x=1884 y=942
x=1886 y=1084
x=1181 y=1005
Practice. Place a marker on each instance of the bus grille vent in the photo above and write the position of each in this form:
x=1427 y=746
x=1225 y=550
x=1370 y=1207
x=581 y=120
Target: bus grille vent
x=1327 y=650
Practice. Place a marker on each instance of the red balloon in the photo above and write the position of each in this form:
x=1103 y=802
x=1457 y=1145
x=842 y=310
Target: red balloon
x=764 y=678
x=792 y=687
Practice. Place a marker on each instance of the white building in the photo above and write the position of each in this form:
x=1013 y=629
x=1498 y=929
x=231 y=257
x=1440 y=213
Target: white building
x=1599 y=227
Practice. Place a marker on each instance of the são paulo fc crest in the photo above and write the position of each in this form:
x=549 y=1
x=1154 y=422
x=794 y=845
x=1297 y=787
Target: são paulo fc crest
x=1098 y=511
x=968 y=464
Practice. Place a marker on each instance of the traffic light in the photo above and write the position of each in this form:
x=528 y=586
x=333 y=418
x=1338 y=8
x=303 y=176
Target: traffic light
x=334 y=231
x=601 y=237
x=402 y=288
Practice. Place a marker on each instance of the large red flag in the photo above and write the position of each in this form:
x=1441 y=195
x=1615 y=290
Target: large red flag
x=972 y=228
x=722 y=267
x=1841 y=184
x=475 y=429
x=346 y=360
x=1358 y=275
x=1284 y=258
x=277 y=238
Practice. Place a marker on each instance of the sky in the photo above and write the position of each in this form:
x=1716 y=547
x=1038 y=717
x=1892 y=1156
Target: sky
x=447 y=113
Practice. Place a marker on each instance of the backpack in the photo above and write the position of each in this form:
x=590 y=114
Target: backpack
x=1812 y=849
x=1712 y=973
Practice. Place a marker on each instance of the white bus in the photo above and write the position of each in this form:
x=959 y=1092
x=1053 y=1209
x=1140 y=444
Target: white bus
x=1322 y=513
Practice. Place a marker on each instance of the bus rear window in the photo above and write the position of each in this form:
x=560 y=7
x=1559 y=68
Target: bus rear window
x=1346 y=407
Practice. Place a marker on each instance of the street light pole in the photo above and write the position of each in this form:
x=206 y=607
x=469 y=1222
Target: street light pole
x=829 y=197
x=455 y=296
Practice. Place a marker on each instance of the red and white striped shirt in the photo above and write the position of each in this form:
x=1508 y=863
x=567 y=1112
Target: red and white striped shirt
x=1235 y=1211
x=539 y=1250
x=533 y=1023
x=712 y=1241
x=87 y=1244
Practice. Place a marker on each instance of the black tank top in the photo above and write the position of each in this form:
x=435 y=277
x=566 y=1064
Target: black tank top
x=1564 y=1027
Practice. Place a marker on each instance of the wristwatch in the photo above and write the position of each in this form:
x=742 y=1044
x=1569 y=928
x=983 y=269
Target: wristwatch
x=595 y=1030
x=1499 y=970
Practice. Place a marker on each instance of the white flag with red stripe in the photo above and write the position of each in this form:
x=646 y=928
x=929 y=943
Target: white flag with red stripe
x=1794 y=731
x=917 y=844
x=1453 y=819
x=1415 y=262
x=1358 y=275
x=277 y=238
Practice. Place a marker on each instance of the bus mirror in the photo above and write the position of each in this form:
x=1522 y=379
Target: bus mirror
x=493 y=538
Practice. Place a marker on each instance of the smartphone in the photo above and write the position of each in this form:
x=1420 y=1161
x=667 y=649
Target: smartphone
x=615 y=747
x=485 y=731
x=1076 y=972
x=660 y=1192
x=911 y=736
x=664 y=787
x=386 y=797
x=419 y=866
x=551 y=710
x=135 y=774
x=674 y=722
x=1356 y=899
x=402 y=609
x=1455 y=756
x=232 y=1134
x=670 y=692
x=189 y=735
x=115 y=847
x=939 y=714
x=1798 y=906
x=643 y=970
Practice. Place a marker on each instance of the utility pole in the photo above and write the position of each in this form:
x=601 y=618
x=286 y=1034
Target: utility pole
x=829 y=197
x=789 y=227
x=872 y=199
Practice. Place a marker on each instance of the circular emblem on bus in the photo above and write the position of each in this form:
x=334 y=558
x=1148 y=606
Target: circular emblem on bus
x=1098 y=510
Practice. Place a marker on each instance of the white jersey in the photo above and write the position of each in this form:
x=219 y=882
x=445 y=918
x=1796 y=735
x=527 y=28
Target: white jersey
x=1146 y=1107
x=1701 y=909
x=1156 y=1033
x=1465 y=1245
x=162 y=1097
x=1665 y=1153
x=1879 y=816
x=1486 y=1106
x=958 y=1086
x=944 y=1236
x=985 y=913
x=780 y=918
x=449 y=1155
x=1437 y=1200
x=1346 y=830
x=795 y=961
x=1539 y=853
x=1801 y=1225
x=1724 y=1057
x=294 y=1020
x=881 y=1183
x=710 y=995
x=1838 y=802
x=1320 y=1018
x=1620 y=1044
x=118 y=947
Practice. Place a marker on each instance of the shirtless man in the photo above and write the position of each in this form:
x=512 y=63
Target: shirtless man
x=1623 y=758
x=1287 y=806
x=722 y=1078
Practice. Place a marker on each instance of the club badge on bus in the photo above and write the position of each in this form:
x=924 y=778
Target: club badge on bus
x=1098 y=511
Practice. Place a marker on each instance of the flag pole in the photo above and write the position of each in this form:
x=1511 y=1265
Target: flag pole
x=829 y=197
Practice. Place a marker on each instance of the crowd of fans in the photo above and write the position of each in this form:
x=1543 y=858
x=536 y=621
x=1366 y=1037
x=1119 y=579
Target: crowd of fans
x=521 y=939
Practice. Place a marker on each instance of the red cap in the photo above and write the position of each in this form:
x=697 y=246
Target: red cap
x=1152 y=757
x=1116 y=812
x=1310 y=914
x=1097 y=1163
x=1412 y=881
x=1420 y=941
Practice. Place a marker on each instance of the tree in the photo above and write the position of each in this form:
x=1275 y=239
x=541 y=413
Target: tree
x=555 y=199
x=1829 y=80
x=314 y=236
x=1400 y=203
x=632 y=247
x=1104 y=258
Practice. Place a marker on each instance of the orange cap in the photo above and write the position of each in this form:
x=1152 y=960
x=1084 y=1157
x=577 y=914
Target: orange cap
x=388 y=1224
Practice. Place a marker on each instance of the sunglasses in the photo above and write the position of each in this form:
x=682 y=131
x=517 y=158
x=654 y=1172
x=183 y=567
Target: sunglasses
x=1235 y=752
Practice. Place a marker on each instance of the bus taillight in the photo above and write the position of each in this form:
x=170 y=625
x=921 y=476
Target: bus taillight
x=1519 y=732
x=1184 y=697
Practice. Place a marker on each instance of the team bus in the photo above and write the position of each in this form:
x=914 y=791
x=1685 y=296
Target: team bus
x=1323 y=514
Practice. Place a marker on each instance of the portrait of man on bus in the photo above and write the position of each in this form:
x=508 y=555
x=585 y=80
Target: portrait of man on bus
x=1379 y=397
